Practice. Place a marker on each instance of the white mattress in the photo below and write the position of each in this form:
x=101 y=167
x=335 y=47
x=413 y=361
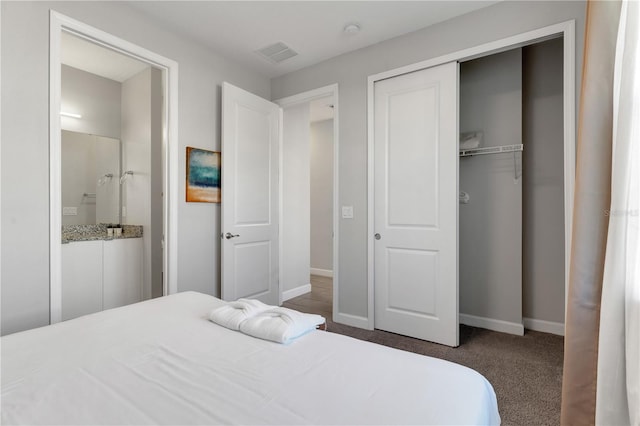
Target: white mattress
x=162 y=362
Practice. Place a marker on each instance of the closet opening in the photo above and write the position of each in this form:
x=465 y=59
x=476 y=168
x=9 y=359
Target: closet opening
x=511 y=190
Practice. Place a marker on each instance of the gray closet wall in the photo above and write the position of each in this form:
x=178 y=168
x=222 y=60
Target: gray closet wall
x=490 y=230
x=512 y=232
x=543 y=182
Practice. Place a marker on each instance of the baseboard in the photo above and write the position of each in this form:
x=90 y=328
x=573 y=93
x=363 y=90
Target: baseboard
x=544 y=326
x=321 y=272
x=492 y=324
x=352 y=320
x=295 y=292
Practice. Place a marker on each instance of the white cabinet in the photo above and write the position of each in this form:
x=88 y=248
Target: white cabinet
x=81 y=278
x=99 y=275
x=122 y=275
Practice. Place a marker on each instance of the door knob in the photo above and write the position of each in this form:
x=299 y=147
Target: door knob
x=229 y=235
x=377 y=236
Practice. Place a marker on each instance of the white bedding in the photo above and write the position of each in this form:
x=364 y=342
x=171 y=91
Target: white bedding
x=163 y=362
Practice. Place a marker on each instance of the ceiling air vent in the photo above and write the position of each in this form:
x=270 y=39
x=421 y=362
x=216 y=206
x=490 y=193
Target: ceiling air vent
x=276 y=52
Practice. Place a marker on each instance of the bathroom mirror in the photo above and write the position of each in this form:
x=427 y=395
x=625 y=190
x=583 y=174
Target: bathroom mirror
x=91 y=170
x=103 y=117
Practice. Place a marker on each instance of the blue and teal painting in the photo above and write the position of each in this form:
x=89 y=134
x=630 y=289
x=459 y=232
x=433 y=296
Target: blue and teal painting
x=203 y=175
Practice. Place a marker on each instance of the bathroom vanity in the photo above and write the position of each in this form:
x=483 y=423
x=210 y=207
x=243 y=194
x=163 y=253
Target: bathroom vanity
x=98 y=271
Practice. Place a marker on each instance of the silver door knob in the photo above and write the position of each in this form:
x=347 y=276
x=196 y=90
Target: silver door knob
x=229 y=235
x=377 y=236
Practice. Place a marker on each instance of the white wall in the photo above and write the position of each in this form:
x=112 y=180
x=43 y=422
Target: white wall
x=322 y=195
x=295 y=197
x=96 y=98
x=25 y=137
x=137 y=147
x=490 y=225
x=351 y=70
x=108 y=159
x=157 y=126
x=543 y=190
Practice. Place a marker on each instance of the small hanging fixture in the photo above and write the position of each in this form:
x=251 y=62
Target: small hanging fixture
x=105 y=178
x=125 y=176
x=463 y=197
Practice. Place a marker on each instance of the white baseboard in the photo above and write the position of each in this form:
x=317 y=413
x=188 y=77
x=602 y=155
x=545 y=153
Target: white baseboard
x=544 y=326
x=492 y=324
x=352 y=320
x=321 y=272
x=295 y=292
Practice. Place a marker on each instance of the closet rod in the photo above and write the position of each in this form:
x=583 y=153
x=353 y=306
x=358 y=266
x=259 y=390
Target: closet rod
x=490 y=150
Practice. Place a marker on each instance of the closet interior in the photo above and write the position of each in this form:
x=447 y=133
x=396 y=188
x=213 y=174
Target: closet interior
x=511 y=183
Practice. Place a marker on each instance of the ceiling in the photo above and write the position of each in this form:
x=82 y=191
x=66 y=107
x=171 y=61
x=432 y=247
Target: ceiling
x=313 y=29
x=79 y=53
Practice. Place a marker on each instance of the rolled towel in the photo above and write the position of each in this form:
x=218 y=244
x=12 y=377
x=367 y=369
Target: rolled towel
x=280 y=325
x=470 y=140
x=234 y=313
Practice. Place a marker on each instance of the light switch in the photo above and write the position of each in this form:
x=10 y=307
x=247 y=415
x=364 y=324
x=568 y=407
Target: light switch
x=70 y=211
x=347 y=212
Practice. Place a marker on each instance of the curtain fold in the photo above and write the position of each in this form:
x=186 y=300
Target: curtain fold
x=618 y=394
x=590 y=221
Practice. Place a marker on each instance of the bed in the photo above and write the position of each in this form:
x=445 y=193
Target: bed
x=162 y=362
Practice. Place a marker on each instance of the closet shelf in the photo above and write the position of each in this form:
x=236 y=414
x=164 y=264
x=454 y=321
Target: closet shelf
x=490 y=150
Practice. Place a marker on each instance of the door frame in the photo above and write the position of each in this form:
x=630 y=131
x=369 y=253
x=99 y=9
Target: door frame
x=289 y=101
x=58 y=24
x=564 y=29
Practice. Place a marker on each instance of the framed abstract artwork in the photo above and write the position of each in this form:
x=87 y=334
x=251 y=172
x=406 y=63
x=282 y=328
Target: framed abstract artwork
x=203 y=176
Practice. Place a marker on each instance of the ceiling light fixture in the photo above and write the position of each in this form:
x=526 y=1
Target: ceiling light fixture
x=70 y=114
x=352 y=28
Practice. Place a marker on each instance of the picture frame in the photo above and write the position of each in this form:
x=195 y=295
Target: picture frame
x=203 y=176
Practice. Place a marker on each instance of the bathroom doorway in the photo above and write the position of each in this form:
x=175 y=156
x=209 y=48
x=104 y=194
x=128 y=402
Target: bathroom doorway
x=112 y=205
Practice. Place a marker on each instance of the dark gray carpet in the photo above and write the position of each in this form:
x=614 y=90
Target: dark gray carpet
x=525 y=371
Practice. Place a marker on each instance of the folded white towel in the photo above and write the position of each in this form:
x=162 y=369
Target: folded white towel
x=470 y=140
x=234 y=313
x=280 y=325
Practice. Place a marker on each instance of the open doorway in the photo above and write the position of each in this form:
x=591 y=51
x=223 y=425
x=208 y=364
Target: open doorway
x=111 y=121
x=117 y=231
x=511 y=187
x=321 y=209
x=308 y=278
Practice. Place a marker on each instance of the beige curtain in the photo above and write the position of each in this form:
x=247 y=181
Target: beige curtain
x=618 y=395
x=590 y=222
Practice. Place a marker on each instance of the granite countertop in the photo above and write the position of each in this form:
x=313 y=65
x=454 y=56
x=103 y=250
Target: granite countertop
x=71 y=233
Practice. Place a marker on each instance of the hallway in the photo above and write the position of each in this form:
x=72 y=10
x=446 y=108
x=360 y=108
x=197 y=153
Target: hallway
x=318 y=301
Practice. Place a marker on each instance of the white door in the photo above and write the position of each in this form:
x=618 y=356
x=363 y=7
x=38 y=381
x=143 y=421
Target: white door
x=250 y=154
x=416 y=204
